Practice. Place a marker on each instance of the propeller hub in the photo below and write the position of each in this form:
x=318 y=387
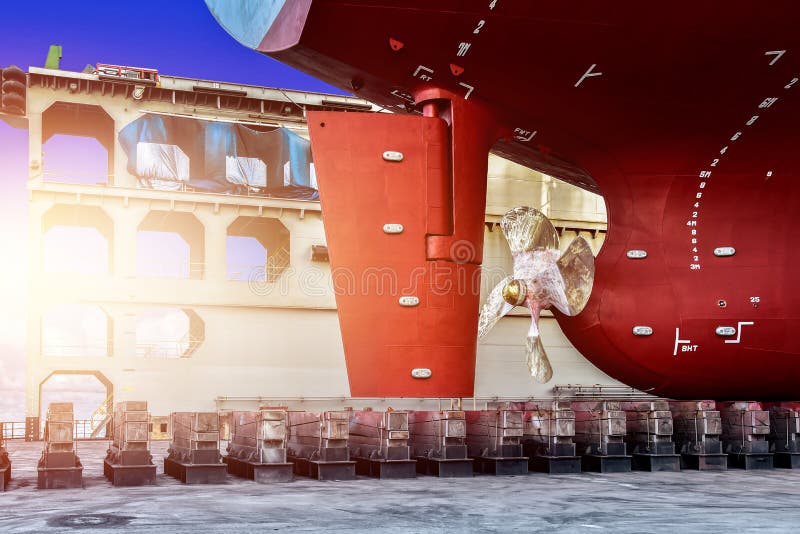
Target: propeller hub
x=515 y=292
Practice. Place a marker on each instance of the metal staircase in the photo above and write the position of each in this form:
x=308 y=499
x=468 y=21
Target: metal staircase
x=101 y=417
x=277 y=262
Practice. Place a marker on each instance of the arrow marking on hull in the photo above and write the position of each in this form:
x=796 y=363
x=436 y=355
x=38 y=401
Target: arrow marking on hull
x=776 y=53
x=739 y=331
x=588 y=74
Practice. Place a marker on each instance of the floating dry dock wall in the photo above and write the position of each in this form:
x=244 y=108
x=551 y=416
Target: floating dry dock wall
x=438 y=442
x=194 y=456
x=649 y=430
x=745 y=427
x=258 y=446
x=494 y=441
x=697 y=429
x=784 y=436
x=318 y=445
x=129 y=462
x=59 y=466
x=379 y=444
x=600 y=436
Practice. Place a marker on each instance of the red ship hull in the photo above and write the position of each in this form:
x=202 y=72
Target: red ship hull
x=685 y=121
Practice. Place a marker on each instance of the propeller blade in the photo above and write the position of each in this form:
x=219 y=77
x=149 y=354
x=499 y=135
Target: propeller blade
x=538 y=363
x=494 y=308
x=547 y=284
x=536 y=356
x=577 y=271
x=528 y=229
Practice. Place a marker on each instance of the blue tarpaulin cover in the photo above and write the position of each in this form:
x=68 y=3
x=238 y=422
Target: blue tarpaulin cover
x=164 y=151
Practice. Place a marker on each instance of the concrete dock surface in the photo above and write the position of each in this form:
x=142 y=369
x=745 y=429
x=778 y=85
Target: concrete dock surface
x=688 y=501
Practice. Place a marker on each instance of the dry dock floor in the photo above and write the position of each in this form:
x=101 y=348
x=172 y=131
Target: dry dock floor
x=732 y=501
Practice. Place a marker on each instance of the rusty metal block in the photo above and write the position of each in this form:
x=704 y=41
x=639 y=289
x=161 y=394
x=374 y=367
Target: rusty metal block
x=494 y=441
x=745 y=426
x=60 y=431
x=259 y=436
x=195 y=438
x=322 y=435
x=784 y=434
x=318 y=444
x=438 y=433
x=600 y=427
x=379 y=444
x=381 y=435
x=129 y=462
x=697 y=428
x=59 y=466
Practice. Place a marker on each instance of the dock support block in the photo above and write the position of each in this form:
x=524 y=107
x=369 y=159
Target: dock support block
x=555 y=465
x=606 y=463
x=130 y=475
x=385 y=469
x=437 y=467
x=196 y=473
x=260 y=473
x=656 y=462
x=704 y=462
x=500 y=466
x=5 y=477
x=60 y=477
x=750 y=461
x=315 y=469
x=787 y=460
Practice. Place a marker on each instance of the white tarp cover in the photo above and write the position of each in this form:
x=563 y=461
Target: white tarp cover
x=158 y=161
x=312 y=176
x=246 y=171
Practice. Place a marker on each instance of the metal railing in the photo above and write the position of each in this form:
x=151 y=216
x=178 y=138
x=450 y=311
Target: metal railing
x=98 y=349
x=270 y=271
x=599 y=392
x=169 y=348
x=69 y=176
x=178 y=270
x=86 y=429
x=12 y=430
x=15 y=430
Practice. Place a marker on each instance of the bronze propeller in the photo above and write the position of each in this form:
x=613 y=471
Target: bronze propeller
x=543 y=278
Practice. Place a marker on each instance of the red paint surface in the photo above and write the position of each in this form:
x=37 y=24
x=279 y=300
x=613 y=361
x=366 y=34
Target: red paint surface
x=360 y=193
x=676 y=86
